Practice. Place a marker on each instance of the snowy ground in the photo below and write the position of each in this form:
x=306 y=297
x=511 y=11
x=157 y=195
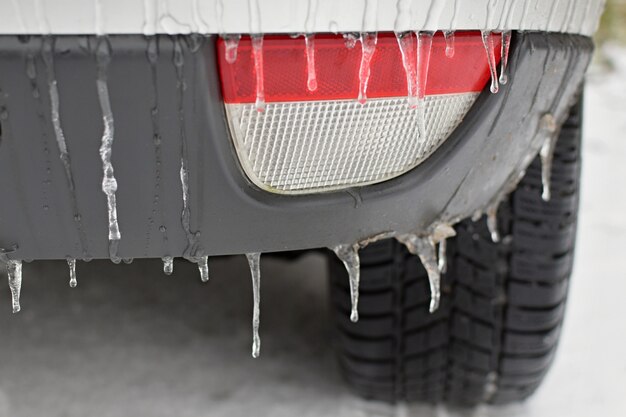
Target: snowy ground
x=131 y=341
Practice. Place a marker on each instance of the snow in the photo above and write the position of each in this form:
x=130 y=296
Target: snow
x=131 y=341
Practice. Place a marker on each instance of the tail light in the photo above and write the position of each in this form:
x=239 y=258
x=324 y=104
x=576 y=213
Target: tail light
x=323 y=113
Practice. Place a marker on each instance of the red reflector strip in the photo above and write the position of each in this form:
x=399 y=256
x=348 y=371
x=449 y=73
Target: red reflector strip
x=337 y=68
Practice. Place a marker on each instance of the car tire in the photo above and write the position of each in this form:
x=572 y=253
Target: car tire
x=494 y=336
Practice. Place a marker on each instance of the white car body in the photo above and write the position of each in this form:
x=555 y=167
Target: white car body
x=150 y=17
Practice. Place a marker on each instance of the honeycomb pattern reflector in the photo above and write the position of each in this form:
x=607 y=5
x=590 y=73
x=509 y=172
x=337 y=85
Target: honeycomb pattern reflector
x=316 y=146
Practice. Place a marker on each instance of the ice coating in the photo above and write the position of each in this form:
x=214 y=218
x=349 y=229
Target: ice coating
x=168 y=265
x=287 y=16
x=350 y=40
x=157 y=212
x=254 y=16
x=254 y=261
x=53 y=91
x=490 y=47
x=109 y=183
x=178 y=60
x=42 y=17
x=504 y=60
x=191 y=252
x=219 y=12
x=406 y=44
x=311 y=83
x=200 y=26
x=490 y=22
x=425 y=247
x=56 y=118
x=368 y=48
x=568 y=15
x=71 y=263
x=492 y=221
x=99 y=24
x=231 y=46
x=455 y=12
x=548 y=127
x=18 y=13
x=203 y=267
x=433 y=16
x=403 y=16
x=311 y=14
x=369 y=21
x=449 y=37
x=149 y=17
x=257 y=53
x=14 y=271
x=349 y=255
x=186 y=213
x=171 y=25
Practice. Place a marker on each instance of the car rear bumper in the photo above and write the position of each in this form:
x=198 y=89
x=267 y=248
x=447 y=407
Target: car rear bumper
x=42 y=218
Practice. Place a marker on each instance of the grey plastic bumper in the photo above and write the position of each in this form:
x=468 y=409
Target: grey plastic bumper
x=231 y=215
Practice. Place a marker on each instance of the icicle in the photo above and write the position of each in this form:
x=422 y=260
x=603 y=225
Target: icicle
x=350 y=40
x=203 y=267
x=349 y=255
x=257 y=52
x=489 y=45
x=492 y=222
x=547 y=155
x=113 y=248
x=168 y=265
x=72 y=265
x=504 y=60
x=231 y=44
x=186 y=214
x=254 y=261
x=311 y=83
x=109 y=183
x=443 y=260
x=424 y=248
x=14 y=271
x=424 y=45
x=368 y=47
x=407 y=50
x=449 y=37
x=547 y=124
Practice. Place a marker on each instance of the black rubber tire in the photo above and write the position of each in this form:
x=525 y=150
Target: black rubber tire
x=495 y=334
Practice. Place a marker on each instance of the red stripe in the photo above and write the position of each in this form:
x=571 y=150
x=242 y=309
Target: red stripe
x=337 y=68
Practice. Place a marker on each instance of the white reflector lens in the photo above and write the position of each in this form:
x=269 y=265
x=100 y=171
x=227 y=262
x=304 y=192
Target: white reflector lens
x=315 y=146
